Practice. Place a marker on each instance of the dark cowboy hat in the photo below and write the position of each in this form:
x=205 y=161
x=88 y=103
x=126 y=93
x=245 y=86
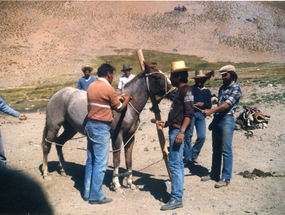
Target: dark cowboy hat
x=199 y=74
x=87 y=67
x=126 y=67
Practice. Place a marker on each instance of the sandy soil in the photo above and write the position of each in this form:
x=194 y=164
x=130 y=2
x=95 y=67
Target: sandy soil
x=264 y=151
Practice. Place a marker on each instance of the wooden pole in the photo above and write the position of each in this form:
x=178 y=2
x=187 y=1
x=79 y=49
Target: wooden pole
x=157 y=115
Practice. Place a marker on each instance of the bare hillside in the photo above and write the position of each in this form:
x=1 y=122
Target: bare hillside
x=45 y=41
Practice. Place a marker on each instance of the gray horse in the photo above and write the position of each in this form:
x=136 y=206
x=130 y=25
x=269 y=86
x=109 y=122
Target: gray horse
x=68 y=108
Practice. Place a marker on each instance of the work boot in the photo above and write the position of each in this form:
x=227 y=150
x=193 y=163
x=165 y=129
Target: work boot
x=222 y=183
x=209 y=177
x=172 y=204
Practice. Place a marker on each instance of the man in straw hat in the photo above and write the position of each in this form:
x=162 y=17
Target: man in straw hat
x=223 y=126
x=179 y=120
x=87 y=79
x=202 y=101
x=126 y=77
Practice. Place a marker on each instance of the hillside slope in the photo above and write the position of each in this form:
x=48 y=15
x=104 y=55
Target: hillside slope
x=41 y=41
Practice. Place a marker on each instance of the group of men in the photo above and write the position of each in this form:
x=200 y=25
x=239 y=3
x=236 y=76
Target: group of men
x=189 y=109
x=87 y=79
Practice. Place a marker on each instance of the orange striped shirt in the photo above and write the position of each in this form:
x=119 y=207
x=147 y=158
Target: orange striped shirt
x=101 y=100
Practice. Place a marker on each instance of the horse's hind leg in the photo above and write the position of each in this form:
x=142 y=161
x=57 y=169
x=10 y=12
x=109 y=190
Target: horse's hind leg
x=128 y=159
x=48 y=137
x=66 y=135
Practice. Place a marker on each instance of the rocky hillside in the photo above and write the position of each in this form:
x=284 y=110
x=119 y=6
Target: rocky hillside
x=46 y=41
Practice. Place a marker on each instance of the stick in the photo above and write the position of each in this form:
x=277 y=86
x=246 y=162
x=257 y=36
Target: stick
x=157 y=118
x=200 y=109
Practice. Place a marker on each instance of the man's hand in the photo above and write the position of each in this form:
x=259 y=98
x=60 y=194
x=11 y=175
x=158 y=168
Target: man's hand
x=161 y=123
x=22 y=117
x=207 y=112
x=200 y=104
x=179 y=139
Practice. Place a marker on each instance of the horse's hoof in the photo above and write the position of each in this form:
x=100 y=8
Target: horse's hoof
x=47 y=177
x=132 y=186
x=120 y=191
x=62 y=173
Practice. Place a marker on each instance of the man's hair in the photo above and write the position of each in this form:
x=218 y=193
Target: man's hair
x=233 y=75
x=183 y=74
x=104 y=69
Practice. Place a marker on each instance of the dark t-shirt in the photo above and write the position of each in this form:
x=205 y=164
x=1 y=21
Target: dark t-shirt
x=182 y=106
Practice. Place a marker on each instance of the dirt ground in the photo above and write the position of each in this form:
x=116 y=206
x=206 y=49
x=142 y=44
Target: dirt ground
x=264 y=151
x=43 y=42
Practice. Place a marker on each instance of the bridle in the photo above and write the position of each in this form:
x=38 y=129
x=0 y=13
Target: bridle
x=166 y=81
x=149 y=91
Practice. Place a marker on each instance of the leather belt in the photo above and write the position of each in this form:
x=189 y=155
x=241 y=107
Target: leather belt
x=175 y=125
x=98 y=121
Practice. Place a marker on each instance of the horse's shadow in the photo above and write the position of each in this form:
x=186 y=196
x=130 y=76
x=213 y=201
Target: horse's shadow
x=156 y=187
x=197 y=170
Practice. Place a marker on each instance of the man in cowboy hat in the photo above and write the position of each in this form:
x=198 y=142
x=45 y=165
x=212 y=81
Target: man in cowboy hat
x=223 y=126
x=202 y=101
x=179 y=120
x=86 y=80
x=126 y=77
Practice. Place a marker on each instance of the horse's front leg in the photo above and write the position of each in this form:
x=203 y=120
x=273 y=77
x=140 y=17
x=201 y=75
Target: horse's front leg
x=128 y=159
x=116 y=144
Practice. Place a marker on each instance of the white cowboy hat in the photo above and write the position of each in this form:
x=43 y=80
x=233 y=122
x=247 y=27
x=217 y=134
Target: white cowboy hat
x=178 y=66
x=87 y=67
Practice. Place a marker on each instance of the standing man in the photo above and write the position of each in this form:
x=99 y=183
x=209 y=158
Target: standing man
x=101 y=99
x=179 y=120
x=87 y=79
x=202 y=101
x=6 y=109
x=126 y=77
x=223 y=126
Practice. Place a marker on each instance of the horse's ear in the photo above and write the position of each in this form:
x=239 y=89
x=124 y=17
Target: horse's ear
x=147 y=66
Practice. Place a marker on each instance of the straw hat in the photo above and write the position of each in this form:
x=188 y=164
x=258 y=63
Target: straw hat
x=126 y=67
x=227 y=68
x=199 y=74
x=87 y=67
x=178 y=66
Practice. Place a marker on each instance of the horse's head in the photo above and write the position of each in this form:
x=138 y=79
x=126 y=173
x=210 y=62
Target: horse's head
x=158 y=83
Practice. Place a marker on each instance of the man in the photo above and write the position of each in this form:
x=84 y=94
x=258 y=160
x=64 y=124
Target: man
x=223 y=126
x=87 y=79
x=102 y=99
x=202 y=100
x=179 y=121
x=6 y=109
x=126 y=77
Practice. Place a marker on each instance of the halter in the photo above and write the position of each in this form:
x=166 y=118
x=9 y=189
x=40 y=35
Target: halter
x=166 y=80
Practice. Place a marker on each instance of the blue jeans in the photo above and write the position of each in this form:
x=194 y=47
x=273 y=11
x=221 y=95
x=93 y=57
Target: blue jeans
x=222 y=136
x=2 y=153
x=176 y=165
x=192 y=152
x=98 y=136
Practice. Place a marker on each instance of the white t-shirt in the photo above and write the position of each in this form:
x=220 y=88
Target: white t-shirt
x=124 y=79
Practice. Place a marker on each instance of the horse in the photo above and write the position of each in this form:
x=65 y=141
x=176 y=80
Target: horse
x=68 y=109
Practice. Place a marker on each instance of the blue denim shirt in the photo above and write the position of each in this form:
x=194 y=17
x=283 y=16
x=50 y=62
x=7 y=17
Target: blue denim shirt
x=6 y=109
x=231 y=95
